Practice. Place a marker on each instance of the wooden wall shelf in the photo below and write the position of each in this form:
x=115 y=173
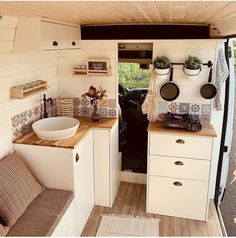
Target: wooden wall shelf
x=95 y=67
x=28 y=89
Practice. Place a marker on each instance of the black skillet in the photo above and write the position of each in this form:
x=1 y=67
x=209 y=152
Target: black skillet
x=208 y=90
x=169 y=91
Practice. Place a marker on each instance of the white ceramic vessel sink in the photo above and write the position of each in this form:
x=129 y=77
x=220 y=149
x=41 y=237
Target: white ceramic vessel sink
x=55 y=128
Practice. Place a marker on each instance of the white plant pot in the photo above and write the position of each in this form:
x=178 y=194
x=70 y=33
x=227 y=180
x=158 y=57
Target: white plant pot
x=162 y=73
x=191 y=73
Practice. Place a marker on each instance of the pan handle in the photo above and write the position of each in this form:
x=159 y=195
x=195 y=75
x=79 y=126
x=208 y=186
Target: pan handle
x=171 y=74
x=210 y=76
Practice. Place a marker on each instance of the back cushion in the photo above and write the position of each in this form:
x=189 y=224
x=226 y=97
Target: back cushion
x=18 y=188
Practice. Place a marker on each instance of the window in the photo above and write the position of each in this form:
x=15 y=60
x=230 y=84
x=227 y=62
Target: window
x=132 y=76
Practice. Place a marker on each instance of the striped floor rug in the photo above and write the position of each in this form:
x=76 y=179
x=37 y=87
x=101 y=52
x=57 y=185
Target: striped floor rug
x=119 y=225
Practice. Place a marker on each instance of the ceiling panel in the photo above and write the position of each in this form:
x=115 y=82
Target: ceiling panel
x=124 y=12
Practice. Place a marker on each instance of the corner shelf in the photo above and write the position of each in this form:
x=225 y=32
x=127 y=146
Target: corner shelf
x=28 y=89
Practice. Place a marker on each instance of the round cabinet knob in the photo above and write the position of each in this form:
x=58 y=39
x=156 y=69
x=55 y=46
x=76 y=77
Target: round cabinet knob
x=177 y=184
x=77 y=157
x=55 y=43
x=180 y=163
x=180 y=141
x=73 y=43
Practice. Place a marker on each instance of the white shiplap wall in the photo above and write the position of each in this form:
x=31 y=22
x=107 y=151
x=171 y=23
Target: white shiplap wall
x=76 y=85
x=17 y=69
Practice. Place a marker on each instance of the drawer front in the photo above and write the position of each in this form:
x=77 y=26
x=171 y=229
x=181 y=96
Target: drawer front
x=180 y=146
x=179 y=167
x=177 y=197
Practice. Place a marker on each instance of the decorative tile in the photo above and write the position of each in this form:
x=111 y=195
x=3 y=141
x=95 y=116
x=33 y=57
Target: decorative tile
x=173 y=107
x=162 y=106
x=22 y=122
x=76 y=102
x=36 y=111
x=102 y=112
x=184 y=107
x=84 y=102
x=30 y=113
x=206 y=108
x=112 y=103
x=112 y=113
x=85 y=111
x=205 y=118
x=76 y=111
x=103 y=103
x=195 y=109
x=16 y=120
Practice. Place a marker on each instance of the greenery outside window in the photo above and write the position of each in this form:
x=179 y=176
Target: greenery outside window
x=131 y=76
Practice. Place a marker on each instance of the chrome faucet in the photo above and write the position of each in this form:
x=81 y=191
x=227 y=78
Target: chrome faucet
x=45 y=113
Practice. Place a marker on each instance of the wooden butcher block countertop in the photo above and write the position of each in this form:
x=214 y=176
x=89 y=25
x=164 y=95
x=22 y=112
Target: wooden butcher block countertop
x=206 y=131
x=85 y=126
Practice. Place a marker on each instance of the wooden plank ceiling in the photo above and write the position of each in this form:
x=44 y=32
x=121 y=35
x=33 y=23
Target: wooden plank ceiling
x=124 y=12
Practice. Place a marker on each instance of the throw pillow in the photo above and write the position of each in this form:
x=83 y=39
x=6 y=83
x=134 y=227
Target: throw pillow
x=18 y=188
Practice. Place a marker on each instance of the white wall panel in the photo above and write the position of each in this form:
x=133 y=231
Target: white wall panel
x=76 y=85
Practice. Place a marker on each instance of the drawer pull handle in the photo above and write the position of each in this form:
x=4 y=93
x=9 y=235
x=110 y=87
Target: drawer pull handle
x=177 y=184
x=180 y=141
x=179 y=163
x=77 y=157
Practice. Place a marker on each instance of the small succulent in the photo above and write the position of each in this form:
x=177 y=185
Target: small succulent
x=162 y=62
x=193 y=62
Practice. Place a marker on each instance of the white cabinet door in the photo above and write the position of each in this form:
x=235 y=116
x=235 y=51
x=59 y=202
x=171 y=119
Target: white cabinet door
x=66 y=37
x=178 y=197
x=83 y=180
x=102 y=166
x=107 y=165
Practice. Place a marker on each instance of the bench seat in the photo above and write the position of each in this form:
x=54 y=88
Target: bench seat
x=43 y=214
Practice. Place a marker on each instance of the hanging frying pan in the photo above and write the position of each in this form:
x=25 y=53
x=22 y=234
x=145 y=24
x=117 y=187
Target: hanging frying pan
x=208 y=90
x=169 y=91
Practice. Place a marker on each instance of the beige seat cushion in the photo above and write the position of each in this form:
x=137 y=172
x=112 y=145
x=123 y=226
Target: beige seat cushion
x=43 y=215
x=3 y=230
x=18 y=188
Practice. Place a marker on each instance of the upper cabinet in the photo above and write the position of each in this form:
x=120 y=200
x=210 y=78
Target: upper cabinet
x=36 y=35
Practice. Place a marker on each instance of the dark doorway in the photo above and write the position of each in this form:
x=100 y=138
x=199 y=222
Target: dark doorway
x=134 y=76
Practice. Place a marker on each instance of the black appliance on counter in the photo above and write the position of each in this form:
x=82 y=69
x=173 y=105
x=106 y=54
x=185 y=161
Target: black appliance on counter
x=182 y=121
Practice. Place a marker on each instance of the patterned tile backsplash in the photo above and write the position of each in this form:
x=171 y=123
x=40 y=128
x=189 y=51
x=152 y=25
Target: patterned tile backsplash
x=22 y=122
x=203 y=110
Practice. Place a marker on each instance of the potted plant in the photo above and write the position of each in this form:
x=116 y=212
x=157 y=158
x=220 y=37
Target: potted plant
x=192 y=66
x=162 y=66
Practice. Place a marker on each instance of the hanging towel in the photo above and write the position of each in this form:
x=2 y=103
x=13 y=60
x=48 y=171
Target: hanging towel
x=222 y=73
x=150 y=104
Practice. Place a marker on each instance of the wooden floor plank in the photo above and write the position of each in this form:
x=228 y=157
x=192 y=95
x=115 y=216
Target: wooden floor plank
x=131 y=200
